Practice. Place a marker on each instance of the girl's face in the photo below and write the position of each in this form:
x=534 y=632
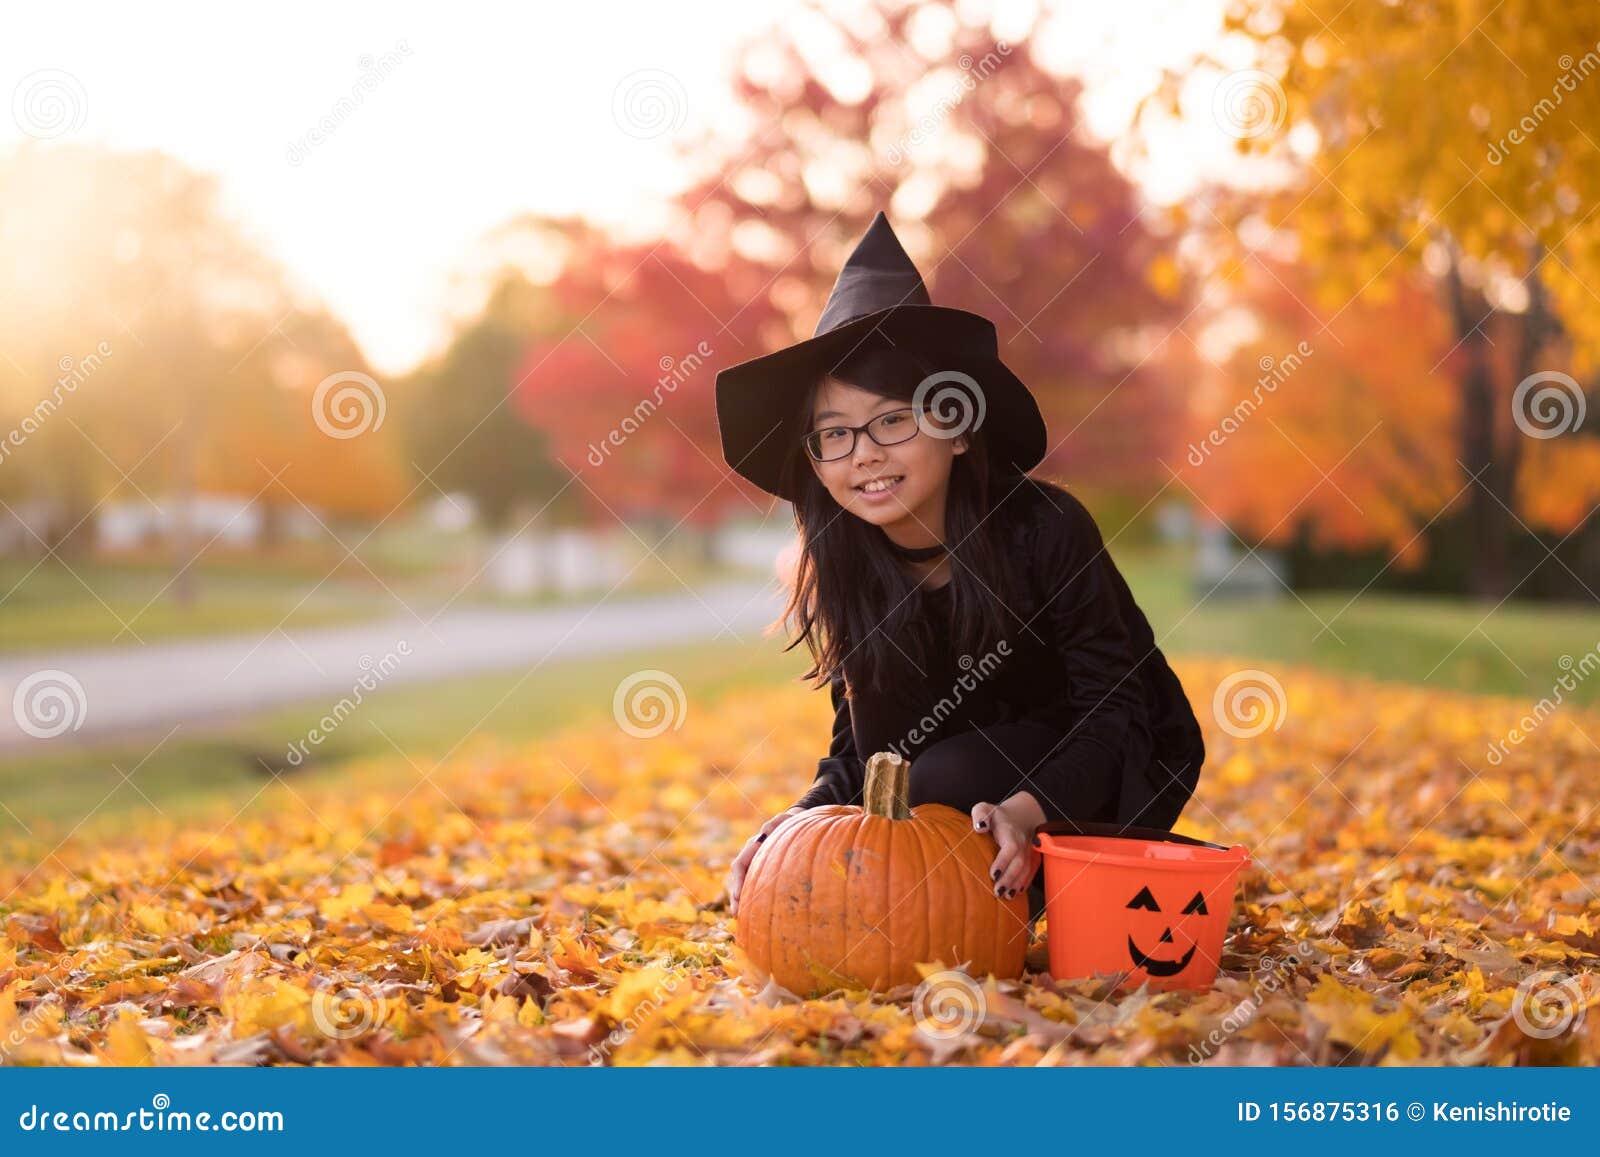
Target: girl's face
x=911 y=509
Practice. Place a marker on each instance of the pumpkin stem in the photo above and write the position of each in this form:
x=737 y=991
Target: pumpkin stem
x=888 y=786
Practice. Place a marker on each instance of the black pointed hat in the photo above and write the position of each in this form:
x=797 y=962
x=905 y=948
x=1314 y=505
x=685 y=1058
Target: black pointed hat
x=878 y=297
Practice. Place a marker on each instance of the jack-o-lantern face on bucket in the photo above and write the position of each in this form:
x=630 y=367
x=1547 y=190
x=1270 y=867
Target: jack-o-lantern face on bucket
x=1162 y=965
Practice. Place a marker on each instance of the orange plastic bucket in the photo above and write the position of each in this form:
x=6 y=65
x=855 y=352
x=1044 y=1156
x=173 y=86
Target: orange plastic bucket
x=1150 y=905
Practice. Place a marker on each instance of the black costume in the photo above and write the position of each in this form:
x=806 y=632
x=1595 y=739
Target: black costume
x=1083 y=711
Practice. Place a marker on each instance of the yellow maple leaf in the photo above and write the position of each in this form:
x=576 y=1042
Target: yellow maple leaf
x=127 y=1043
x=392 y=916
x=1353 y=1020
x=349 y=901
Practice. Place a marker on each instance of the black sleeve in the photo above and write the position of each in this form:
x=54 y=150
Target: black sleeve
x=1102 y=702
x=840 y=774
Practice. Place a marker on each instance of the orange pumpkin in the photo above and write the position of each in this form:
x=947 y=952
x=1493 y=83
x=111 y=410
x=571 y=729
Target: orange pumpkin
x=845 y=896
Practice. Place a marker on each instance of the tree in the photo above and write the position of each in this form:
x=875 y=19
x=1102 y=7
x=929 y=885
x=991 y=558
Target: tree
x=172 y=328
x=1449 y=138
x=1011 y=210
x=464 y=431
x=620 y=378
x=321 y=436
x=1328 y=431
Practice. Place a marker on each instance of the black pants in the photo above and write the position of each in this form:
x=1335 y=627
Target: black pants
x=987 y=764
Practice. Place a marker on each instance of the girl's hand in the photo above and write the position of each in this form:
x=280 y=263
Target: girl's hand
x=741 y=862
x=1011 y=824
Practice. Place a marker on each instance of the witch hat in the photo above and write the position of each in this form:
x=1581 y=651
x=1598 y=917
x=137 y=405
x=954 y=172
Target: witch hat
x=878 y=297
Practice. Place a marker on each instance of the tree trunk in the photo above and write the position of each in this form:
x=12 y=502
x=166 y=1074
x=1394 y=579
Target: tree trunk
x=183 y=584
x=1487 y=521
x=72 y=527
x=1538 y=326
x=272 y=533
x=710 y=545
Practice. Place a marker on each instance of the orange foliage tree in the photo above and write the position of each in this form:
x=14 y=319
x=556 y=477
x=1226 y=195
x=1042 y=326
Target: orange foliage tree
x=1450 y=141
x=1340 y=426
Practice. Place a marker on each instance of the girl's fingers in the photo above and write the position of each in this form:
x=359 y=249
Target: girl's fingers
x=736 y=877
x=736 y=874
x=982 y=817
x=1000 y=870
x=1024 y=868
x=747 y=854
x=1017 y=875
x=1015 y=864
x=778 y=821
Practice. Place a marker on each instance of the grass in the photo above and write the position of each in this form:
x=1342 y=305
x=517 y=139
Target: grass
x=124 y=603
x=402 y=731
x=1515 y=649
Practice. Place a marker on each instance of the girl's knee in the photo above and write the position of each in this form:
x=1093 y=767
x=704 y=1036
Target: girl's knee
x=941 y=775
x=928 y=783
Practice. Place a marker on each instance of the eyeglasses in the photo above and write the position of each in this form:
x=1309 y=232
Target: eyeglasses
x=831 y=443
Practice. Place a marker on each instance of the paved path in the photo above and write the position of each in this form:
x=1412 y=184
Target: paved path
x=126 y=690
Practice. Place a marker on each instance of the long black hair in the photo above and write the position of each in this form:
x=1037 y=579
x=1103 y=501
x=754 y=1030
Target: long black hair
x=851 y=594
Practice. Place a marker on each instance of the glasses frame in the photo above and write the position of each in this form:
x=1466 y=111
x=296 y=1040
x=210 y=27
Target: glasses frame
x=857 y=431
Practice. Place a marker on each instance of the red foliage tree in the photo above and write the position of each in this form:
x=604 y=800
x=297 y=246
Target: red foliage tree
x=1011 y=210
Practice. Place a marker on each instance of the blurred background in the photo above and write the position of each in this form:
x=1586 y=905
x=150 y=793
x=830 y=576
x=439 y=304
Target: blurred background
x=356 y=365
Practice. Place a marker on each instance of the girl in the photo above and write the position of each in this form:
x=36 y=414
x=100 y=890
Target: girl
x=964 y=614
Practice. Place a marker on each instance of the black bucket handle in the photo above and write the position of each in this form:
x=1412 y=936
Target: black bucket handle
x=1119 y=831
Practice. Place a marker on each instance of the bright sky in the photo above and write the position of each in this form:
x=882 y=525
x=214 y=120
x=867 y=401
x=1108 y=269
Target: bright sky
x=486 y=111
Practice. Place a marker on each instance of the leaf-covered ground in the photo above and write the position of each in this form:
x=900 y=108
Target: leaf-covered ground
x=562 y=904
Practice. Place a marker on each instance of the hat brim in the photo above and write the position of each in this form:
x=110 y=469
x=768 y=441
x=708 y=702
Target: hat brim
x=758 y=400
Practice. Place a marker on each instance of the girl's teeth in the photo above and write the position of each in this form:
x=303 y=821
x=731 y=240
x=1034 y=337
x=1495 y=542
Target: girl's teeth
x=873 y=487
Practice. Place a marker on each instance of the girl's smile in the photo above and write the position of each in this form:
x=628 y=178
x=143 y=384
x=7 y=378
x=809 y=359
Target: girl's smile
x=880 y=487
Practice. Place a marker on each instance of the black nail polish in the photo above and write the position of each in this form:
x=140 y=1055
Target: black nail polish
x=1011 y=893
x=996 y=873
x=761 y=837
